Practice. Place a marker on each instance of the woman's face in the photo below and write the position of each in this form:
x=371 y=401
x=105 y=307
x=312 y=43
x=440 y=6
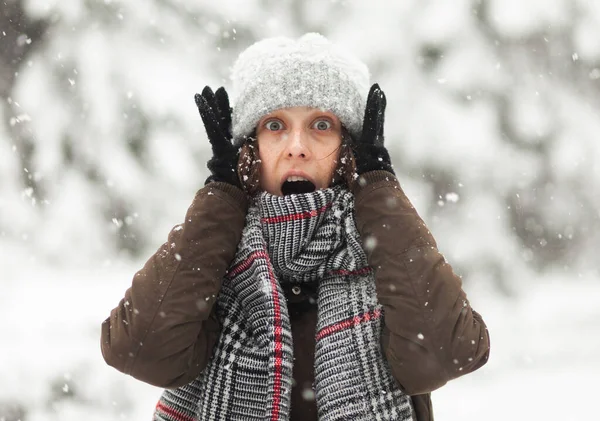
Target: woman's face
x=298 y=149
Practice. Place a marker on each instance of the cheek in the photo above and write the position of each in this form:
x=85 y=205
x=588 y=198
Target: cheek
x=265 y=152
x=330 y=166
x=268 y=161
x=328 y=163
x=331 y=154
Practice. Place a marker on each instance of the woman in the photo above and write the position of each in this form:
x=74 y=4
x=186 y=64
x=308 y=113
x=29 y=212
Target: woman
x=302 y=284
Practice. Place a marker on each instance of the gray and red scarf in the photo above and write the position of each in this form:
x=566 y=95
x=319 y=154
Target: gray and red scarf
x=295 y=239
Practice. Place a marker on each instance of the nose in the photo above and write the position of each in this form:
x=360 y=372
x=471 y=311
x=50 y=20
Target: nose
x=297 y=146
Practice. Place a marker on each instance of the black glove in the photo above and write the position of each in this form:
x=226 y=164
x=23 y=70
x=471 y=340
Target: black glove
x=369 y=152
x=216 y=115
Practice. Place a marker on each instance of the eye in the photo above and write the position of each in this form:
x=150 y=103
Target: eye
x=323 y=125
x=274 y=125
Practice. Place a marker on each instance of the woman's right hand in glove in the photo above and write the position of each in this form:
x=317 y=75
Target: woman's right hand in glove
x=216 y=115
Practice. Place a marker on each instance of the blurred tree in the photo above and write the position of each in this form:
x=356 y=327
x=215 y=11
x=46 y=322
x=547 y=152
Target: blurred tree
x=19 y=36
x=492 y=119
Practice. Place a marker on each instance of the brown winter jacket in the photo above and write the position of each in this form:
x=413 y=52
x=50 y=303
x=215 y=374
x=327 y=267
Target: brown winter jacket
x=164 y=330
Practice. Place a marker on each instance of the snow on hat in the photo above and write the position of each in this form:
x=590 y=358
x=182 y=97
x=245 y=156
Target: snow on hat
x=281 y=72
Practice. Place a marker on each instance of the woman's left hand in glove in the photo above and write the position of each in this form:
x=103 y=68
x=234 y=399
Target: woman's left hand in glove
x=369 y=152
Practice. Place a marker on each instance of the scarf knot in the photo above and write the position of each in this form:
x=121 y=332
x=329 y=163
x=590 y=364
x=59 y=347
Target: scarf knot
x=303 y=232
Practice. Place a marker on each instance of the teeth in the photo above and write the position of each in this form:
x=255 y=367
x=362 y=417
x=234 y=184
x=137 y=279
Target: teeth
x=296 y=178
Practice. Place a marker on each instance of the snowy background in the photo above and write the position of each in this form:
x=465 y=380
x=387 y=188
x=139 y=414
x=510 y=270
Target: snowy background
x=494 y=130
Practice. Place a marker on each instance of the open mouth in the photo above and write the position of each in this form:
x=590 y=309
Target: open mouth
x=297 y=185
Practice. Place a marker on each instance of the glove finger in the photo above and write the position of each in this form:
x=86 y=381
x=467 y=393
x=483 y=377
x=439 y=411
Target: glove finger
x=220 y=108
x=374 y=87
x=369 y=131
x=220 y=144
x=208 y=116
x=208 y=94
x=205 y=110
x=222 y=101
x=381 y=105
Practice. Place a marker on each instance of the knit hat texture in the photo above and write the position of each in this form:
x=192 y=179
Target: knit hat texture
x=281 y=72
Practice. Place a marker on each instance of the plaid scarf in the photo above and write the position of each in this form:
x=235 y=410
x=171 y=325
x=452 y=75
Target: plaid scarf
x=295 y=239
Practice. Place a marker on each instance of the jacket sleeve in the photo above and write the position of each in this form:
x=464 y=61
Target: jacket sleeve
x=431 y=333
x=163 y=330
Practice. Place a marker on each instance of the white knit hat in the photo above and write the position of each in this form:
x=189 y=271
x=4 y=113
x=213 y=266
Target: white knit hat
x=281 y=72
